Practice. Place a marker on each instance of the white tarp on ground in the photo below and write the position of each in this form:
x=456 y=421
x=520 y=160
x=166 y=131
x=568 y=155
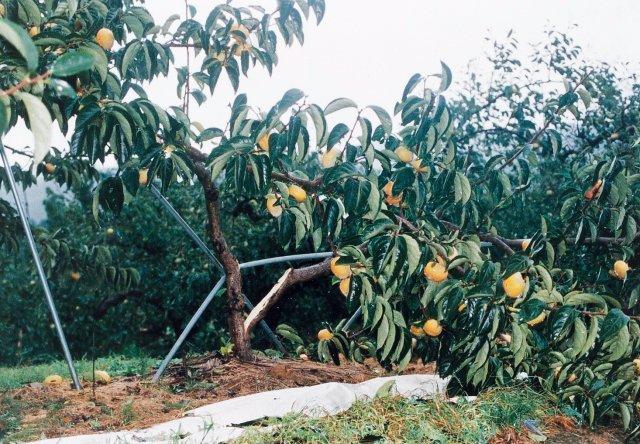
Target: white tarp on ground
x=219 y=422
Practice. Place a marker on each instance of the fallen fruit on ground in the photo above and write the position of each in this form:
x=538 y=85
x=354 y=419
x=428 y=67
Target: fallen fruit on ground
x=432 y=328
x=435 y=271
x=102 y=377
x=105 y=39
x=514 y=285
x=53 y=380
x=324 y=335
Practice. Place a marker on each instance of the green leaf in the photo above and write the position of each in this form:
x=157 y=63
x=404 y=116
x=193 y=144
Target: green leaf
x=40 y=124
x=613 y=322
x=72 y=63
x=20 y=40
x=385 y=118
x=339 y=104
x=445 y=77
x=530 y=309
x=4 y=116
x=337 y=133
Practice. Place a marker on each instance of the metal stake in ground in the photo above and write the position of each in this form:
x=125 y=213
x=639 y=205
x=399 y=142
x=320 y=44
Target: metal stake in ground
x=39 y=268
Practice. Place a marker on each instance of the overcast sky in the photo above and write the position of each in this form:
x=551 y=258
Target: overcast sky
x=367 y=49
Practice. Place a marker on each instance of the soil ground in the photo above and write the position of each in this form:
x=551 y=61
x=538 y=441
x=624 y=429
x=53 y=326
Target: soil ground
x=134 y=402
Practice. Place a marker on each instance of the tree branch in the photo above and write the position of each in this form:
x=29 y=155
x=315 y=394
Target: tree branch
x=290 y=278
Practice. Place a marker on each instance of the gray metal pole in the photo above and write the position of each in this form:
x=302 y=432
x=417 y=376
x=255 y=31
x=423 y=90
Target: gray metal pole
x=354 y=317
x=183 y=336
x=186 y=227
x=196 y=316
x=40 y=269
x=200 y=243
x=293 y=257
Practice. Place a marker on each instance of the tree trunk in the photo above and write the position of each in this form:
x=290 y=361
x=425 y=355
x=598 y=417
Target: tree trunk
x=235 y=300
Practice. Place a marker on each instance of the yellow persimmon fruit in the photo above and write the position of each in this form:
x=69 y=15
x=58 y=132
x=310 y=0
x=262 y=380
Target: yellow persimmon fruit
x=341 y=271
x=274 y=209
x=324 y=335
x=110 y=231
x=241 y=28
x=49 y=168
x=242 y=47
x=435 y=271
x=418 y=167
x=388 y=188
x=525 y=244
x=220 y=56
x=393 y=200
x=344 y=286
x=637 y=364
x=329 y=158
x=75 y=276
x=620 y=269
x=105 y=39
x=143 y=176
x=432 y=327
x=34 y=31
x=263 y=143
x=417 y=331
x=572 y=377
x=102 y=377
x=53 y=380
x=298 y=193
x=537 y=320
x=514 y=285
x=404 y=154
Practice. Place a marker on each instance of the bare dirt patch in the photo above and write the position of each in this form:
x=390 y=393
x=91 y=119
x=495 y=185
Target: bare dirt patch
x=133 y=403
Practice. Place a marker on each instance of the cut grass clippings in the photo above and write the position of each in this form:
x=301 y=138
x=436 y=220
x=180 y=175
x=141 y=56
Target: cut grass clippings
x=395 y=419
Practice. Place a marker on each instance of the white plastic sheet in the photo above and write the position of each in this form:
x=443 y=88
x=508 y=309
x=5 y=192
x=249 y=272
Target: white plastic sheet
x=219 y=422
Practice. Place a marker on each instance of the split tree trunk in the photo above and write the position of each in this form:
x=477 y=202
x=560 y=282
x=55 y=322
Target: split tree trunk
x=235 y=299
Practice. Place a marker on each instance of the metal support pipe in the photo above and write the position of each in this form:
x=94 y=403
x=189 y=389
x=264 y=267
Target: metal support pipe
x=183 y=336
x=39 y=268
x=200 y=243
x=186 y=227
x=275 y=260
x=196 y=316
x=354 y=317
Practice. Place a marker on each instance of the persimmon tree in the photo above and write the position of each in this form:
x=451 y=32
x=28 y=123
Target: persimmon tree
x=410 y=205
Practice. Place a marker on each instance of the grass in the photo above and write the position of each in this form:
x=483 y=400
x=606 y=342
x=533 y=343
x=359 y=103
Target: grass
x=394 y=419
x=14 y=377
